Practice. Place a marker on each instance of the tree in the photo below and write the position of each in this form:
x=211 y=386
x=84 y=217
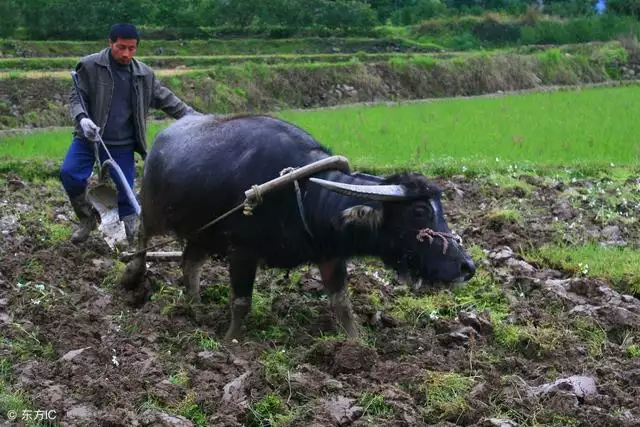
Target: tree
x=624 y=7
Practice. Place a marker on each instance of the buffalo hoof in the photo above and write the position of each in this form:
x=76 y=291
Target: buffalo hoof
x=353 y=333
x=133 y=275
x=231 y=335
x=141 y=295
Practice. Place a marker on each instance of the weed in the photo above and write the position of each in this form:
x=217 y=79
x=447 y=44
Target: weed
x=476 y=252
x=208 y=343
x=187 y=407
x=270 y=410
x=113 y=275
x=126 y=321
x=180 y=378
x=413 y=310
x=36 y=294
x=271 y=333
x=215 y=294
x=168 y=296
x=196 y=339
x=57 y=233
x=375 y=299
x=592 y=333
x=11 y=399
x=374 y=405
x=276 y=365
x=32 y=270
x=337 y=336
x=508 y=180
x=563 y=420
x=500 y=216
x=633 y=351
x=444 y=394
x=532 y=341
x=29 y=344
x=482 y=293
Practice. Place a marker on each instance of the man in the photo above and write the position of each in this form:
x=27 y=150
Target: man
x=118 y=91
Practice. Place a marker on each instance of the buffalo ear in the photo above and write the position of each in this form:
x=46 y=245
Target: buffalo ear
x=361 y=215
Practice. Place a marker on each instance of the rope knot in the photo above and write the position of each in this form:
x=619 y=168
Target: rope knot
x=257 y=199
x=287 y=170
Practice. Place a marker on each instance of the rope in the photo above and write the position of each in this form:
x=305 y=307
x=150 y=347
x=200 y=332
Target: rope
x=248 y=210
x=157 y=245
x=430 y=234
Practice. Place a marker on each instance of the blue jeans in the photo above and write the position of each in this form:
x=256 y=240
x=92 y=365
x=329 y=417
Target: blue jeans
x=78 y=164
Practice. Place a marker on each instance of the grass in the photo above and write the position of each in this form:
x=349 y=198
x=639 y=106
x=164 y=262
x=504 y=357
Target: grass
x=559 y=128
x=617 y=265
x=633 y=351
x=187 y=408
x=271 y=411
x=276 y=364
x=593 y=127
x=12 y=399
x=501 y=215
x=49 y=145
x=374 y=406
x=444 y=394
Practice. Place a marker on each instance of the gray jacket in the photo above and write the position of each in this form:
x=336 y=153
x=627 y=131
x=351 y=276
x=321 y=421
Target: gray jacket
x=96 y=84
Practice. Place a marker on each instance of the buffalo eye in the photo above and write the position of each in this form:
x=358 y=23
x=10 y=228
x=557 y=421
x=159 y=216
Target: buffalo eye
x=421 y=212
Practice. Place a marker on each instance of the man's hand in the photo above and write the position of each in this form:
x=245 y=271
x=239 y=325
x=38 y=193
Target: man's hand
x=90 y=129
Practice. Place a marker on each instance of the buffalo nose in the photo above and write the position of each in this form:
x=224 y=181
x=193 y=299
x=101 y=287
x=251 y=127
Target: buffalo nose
x=468 y=268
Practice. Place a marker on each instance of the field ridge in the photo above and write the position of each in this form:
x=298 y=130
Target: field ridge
x=40 y=102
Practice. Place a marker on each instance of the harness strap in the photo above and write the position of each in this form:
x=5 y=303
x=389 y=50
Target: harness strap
x=299 y=198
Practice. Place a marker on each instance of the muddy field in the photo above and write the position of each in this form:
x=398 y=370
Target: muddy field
x=526 y=343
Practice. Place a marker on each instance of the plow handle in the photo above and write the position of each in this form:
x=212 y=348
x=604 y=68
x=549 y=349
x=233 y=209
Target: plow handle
x=125 y=185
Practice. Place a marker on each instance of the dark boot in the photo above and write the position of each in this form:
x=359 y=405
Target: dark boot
x=130 y=227
x=86 y=216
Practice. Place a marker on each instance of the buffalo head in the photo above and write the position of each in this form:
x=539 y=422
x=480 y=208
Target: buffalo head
x=413 y=235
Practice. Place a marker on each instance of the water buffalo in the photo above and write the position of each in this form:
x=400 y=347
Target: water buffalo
x=200 y=167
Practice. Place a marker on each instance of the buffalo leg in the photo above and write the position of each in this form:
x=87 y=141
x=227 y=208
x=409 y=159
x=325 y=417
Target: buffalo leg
x=193 y=258
x=242 y=269
x=334 y=277
x=136 y=267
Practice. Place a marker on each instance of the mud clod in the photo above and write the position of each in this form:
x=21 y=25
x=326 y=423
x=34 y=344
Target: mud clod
x=343 y=410
x=155 y=418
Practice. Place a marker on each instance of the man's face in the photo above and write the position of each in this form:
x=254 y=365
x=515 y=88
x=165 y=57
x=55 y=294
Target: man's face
x=123 y=50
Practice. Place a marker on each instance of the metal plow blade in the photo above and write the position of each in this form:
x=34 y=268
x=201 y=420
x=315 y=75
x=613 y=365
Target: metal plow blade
x=104 y=199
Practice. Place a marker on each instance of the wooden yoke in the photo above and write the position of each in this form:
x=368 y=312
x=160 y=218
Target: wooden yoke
x=254 y=194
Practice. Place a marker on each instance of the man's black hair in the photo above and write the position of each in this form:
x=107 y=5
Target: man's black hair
x=124 y=31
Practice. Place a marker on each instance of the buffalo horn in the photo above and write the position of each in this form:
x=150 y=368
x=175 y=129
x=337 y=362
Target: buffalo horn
x=376 y=192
